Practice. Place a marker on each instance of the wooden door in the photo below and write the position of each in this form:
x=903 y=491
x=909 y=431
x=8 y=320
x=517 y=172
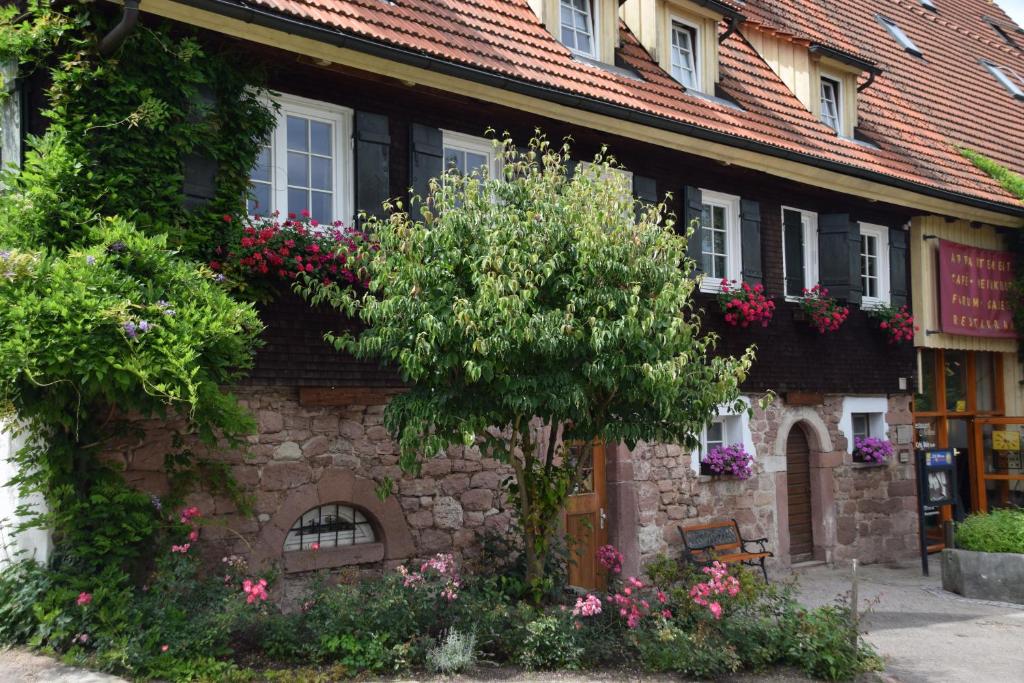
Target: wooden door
x=586 y=522
x=798 y=495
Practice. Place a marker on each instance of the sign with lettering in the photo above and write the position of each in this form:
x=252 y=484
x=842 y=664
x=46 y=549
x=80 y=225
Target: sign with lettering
x=974 y=291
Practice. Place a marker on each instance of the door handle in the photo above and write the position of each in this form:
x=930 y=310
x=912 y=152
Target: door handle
x=602 y=517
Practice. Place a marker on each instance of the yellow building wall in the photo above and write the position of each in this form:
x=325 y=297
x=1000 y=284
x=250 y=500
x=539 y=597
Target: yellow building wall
x=924 y=281
x=791 y=62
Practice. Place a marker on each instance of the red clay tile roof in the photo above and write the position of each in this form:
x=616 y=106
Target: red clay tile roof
x=916 y=111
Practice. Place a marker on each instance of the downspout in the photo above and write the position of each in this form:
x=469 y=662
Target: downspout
x=867 y=84
x=734 y=23
x=117 y=35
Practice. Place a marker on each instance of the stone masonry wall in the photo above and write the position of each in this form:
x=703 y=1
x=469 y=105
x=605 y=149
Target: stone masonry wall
x=299 y=450
x=865 y=512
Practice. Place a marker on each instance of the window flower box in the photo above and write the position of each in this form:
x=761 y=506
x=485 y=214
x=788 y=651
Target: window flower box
x=871 y=451
x=732 y=461
x=822 y=312
x=744 y=305
x=895 y=323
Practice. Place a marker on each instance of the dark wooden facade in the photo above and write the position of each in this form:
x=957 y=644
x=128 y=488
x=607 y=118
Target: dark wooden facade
x=392 y=127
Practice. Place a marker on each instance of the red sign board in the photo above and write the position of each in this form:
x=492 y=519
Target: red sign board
x=974 y=291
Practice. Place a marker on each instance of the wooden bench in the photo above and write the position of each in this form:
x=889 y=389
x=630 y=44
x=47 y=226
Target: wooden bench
x=705 y=543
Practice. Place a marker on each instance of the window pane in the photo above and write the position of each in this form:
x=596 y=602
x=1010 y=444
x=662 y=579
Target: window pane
x=861 y=426
x=320 y=207
x=683 y=58
x=453 y=158
x=320 y=172
x=583 y=43
x=925 y=400
x=320 y=138
x=706 y=240
x=719 y=242
x=955 y=371
x=719 y=215
x=714 y=433
x=984 y=381
x=475 y=161
x=719 y=267
x=298 y=199
x=261 y=170
x=298 y=134
x=259 y=202
x=298 y=169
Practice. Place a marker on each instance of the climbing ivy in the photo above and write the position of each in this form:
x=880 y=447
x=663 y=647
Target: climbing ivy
x=107 y=309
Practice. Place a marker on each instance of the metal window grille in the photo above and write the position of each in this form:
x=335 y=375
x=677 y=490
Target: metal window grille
x=329 y=526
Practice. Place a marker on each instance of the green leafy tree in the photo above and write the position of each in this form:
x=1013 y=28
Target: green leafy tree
x=532 y=302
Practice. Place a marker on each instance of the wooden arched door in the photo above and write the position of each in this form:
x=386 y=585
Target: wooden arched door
x=798 y=495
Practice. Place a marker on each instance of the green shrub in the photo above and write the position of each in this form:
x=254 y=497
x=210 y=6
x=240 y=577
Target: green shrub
x=702 y=653
x=999 y=531
x=550 y=643
x=455 y=652
x=23 y=584
x=826 y=646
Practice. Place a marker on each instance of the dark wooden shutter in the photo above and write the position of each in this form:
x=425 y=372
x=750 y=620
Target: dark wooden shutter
x=839 y=256
x=750 y=241
x=570 y=167
x=372 y=161
x=199 y=172
x=645 y=190
x=426 y=153
x=793 y=248
x=692 y=210
x=898 y=267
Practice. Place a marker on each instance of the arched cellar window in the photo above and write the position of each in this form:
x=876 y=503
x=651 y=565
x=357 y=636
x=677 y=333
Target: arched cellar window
x=329 y=526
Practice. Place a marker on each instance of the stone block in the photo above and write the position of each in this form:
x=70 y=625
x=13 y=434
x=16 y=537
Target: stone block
x=486 y=480
x=902 y=488
x=433 y=467
x=325 y=424
x=455 y=484
x=279 y=476
x=289 y=450
x=420 y=519
x=350 y=429
x=270 y=421
x=317 y=445
x=447 y=513
x=434 y=541
x=477 y=499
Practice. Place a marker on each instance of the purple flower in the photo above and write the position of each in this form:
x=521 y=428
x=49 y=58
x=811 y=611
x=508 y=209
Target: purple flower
x=219 y=277
x=129 y=329
x=4 y=255
x=871 y=449
x=731 y=459
x=90 y=260
x=143 y=326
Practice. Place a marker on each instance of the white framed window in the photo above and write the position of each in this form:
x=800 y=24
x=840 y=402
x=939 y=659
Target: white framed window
x=469 y=153
x=685 y=42
x=719 y=239
x=808 y=249
x=831 y=94
x=874 y=265
x=579 y=26
x=1007 y=77
x=307 y=163
x=329 y=526
x=725 y=429
x=862 y=417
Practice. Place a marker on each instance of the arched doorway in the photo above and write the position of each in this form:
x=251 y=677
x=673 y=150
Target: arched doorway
x=798 y=496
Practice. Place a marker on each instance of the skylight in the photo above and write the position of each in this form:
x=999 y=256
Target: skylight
x=1004 y=31
x=902 y=38
x=1009 y=78
x=928 y=4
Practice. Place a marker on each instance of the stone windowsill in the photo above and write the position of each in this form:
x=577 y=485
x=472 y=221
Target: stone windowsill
x=329 y=558
x=868 y=465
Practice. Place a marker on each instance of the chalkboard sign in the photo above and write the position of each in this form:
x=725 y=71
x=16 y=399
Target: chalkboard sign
x=936 y=486
x=711 y=536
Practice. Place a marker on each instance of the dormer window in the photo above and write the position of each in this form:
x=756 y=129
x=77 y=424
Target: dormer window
x=1007 y=77
x=684 y=54
x=830 y=111
x=577 y=19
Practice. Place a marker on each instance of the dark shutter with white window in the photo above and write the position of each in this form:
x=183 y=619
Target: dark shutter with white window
x=692 y=211
x=898 y=267
x=372 y=161
x=426 y=152
x=750 y=241
x=645 y=190
x=839 y=256
x=793 y=250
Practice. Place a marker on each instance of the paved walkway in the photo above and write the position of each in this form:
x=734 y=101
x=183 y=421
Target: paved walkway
x=925 y=634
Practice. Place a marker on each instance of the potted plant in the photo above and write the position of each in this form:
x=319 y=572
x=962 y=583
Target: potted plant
x=896 y=323
x=744 y=305
x=868 y=449
x=823 y=312
x=728 y=460
x=988 y=560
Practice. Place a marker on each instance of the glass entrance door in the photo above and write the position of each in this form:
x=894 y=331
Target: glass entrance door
x=998 y=463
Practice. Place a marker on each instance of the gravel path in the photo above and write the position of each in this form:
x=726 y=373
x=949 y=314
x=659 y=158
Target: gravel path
x=925 y=635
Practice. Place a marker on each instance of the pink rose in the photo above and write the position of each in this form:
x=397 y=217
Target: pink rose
x=84 y=599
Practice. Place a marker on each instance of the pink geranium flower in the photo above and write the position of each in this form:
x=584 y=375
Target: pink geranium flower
x=84 y=599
